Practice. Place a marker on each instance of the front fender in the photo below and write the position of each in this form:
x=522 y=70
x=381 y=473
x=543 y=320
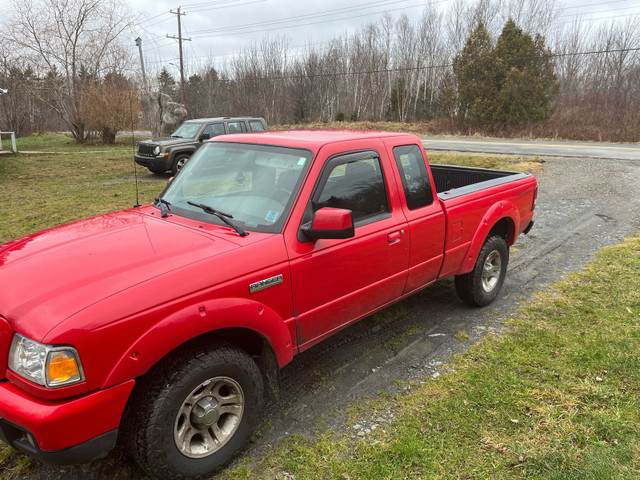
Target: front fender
x=179 y=151
x=196 y=320
x=497 y=212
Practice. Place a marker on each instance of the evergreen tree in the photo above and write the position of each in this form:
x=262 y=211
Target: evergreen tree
x=524 y=76
x=472 y=69
x=167 y=84
x=508 y=83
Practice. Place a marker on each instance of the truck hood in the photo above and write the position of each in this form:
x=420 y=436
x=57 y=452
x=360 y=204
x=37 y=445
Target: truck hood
x=168 y=141
x=49 y=276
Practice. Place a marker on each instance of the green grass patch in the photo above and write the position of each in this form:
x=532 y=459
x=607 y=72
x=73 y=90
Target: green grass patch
x=499 y=162
x=46 y=190
x=60 y=143
x=554 y=398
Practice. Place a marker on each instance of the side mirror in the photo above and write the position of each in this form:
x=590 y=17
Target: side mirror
x=329 y=223
x=204 y=136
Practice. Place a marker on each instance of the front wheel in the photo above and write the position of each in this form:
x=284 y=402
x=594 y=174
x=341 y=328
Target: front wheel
x=482 y=285
x=179 y=162
x=193 y=413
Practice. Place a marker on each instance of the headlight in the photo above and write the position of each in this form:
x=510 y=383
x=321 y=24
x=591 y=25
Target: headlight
x=156 y=150
x=46 y=365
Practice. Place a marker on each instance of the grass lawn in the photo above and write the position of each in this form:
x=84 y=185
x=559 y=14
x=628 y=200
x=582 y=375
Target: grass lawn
x=556 y=397
x=45 y=190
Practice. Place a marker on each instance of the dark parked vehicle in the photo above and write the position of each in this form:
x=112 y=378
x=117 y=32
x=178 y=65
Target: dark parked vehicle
x=162 y=154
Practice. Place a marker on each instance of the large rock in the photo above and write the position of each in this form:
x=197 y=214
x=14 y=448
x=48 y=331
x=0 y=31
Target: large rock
x=163 y=114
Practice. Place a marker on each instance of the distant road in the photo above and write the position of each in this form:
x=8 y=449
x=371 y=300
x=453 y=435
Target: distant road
x=617 y=151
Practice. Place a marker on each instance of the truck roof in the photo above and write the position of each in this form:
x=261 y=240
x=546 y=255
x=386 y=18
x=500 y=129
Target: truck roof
x=310 y=139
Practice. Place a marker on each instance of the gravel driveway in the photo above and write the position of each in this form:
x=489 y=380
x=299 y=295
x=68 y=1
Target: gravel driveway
x=583 y=205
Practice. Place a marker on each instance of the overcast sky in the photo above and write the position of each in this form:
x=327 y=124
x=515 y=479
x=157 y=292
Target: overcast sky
x=222 y=28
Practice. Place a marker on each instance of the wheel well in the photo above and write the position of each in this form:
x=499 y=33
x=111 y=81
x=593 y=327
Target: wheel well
x=505 y=228
x=252 y=343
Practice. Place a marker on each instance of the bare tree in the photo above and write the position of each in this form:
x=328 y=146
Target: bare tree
x=110 y=106
x=78 y=40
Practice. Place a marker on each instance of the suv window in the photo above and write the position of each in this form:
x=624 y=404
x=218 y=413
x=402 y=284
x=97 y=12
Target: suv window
x=256 y=126
x=414 y=175
x=214 y=130
x=187 y=130
x=237 y=127
x=356 y=185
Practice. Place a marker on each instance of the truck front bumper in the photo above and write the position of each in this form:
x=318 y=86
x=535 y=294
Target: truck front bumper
x=75 y=430
x=159 y=162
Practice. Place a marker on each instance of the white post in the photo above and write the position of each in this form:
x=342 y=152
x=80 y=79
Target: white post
x=13 y=141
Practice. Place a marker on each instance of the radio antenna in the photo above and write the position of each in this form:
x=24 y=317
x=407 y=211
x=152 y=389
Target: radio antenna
x=133 y=144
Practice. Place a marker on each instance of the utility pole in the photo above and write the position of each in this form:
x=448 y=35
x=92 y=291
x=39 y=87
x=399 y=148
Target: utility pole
x=144 y=76
x=180 y=40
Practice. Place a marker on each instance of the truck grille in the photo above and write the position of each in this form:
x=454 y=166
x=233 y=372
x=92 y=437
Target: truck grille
x=6 y=333
x=146 y=150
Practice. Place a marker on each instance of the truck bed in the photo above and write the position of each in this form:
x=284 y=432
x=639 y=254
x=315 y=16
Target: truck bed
x=452 y=181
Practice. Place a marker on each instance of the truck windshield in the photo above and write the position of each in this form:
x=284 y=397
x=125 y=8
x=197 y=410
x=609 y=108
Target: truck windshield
x=254 y=184
x=187 y=130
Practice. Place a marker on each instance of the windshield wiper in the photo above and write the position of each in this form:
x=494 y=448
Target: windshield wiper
x=221 y=215
x=176 y=136
x=164 y=207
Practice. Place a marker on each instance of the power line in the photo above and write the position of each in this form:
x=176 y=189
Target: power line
x=430 y=67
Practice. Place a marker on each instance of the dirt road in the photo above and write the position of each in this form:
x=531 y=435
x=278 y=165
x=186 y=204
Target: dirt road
x=584 y=204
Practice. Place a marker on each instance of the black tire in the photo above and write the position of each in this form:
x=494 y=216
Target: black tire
x=193 y=412
x=482 y=285
x=179 y=162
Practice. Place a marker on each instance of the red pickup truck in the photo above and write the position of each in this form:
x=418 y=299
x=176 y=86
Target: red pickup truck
x=166 y=325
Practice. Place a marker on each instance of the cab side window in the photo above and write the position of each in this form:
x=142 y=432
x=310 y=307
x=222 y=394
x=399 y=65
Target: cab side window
x=414 y=175
x=354 y=183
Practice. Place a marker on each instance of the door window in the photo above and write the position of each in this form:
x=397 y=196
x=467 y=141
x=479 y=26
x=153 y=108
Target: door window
x=214 y=130
x=356 y=185
x=237 y=127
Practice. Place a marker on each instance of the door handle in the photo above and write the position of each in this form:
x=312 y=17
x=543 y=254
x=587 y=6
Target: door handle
x=394 y=237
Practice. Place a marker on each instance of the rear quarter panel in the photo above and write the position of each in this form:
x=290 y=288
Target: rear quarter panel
x=471 y=217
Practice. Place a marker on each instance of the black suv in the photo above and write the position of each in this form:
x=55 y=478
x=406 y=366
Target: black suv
x=162 y=154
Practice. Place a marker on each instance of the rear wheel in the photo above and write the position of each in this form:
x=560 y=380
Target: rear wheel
x=482 y=285
x=194 y=412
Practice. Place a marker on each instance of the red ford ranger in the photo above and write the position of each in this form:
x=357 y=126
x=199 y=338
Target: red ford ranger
x=166 y=325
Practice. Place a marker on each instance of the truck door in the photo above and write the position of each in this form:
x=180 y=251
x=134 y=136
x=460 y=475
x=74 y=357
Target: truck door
x=425 y=216
x=338 y=281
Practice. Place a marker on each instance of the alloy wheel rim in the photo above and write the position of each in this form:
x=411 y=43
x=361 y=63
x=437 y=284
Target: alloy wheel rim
x=208 y=417
x=491 y=271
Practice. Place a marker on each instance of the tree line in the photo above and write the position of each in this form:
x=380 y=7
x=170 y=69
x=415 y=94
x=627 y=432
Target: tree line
x=494 y=66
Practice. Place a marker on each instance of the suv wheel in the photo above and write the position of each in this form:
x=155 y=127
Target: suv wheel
x=179 y=162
